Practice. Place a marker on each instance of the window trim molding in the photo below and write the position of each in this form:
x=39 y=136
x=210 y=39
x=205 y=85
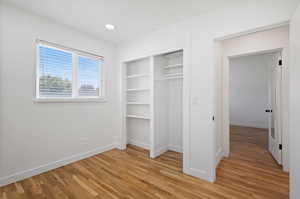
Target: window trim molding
x=66 y=100
x=75 y=93
x=67 y=49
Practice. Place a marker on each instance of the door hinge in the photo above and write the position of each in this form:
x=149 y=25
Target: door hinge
x=280 y=146
x=280 y=62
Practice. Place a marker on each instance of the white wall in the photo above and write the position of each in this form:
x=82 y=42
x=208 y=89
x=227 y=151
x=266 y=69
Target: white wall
x=294 y=106
x=36 y=135
x=249 y=91
x=197 y=36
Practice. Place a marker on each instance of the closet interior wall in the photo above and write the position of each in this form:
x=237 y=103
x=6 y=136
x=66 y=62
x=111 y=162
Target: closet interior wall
x=168 y=95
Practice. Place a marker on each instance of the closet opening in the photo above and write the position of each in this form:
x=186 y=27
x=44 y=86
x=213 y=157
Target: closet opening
x=153 y=115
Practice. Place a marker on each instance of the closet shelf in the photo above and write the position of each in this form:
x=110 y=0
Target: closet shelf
x=175 y=77
x=173 y=74
x=173 y=66
x=138 y=117
x=137 y=89
x=138 y=103
x=137 y=76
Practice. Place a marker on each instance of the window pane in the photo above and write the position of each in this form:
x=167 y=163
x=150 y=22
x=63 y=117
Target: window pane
x=88 y=76
x=55 y=73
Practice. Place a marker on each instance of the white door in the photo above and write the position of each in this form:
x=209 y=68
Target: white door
x=274 y=112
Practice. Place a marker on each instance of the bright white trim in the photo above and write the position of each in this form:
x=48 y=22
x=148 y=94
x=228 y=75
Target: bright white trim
x=178 y=149
x=152 y=136
x=120 y=146
x=186 y=133
x=137 y=76
x=160 y=151
x=264 y=28
x=124 y=134
x=285 y=111
x=37 y=71
x=75 y=81
x=173 y=66
x=52 y=165
x=225 y=103
x=68 y=49
x=71 y=100
x=102 y=79
x=174 y=74
x=138 y=117
x=139 y=144
x=219 y=156
x=199 y=174
x=137 y=89
x=138 y=103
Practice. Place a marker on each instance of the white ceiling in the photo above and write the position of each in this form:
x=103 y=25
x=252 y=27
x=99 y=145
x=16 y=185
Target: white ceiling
x=131 y=18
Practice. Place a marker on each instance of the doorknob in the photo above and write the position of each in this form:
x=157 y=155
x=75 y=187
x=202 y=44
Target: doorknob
x=269 y=111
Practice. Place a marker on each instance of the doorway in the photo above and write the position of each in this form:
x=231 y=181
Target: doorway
x=268 y=41
x=255 y=107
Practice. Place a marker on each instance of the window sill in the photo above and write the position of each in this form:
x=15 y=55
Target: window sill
x=69 y=100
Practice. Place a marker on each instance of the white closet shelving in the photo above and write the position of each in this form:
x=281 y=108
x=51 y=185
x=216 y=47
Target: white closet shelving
x=173 y=68
x=138 y=117
x=137 y=76
x=138 y=101
x=153 y=89
x=137 y=89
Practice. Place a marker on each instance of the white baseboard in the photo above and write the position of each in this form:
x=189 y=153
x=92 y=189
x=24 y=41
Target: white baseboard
x=176 y=149
x=139 y=144
x=53 y=165
x=157 y=152
x=199 y=174
x=120 y=146
x=219 y=156
x=160 y=151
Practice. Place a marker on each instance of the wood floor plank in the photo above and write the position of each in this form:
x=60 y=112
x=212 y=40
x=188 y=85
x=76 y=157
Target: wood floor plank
x=249 y=173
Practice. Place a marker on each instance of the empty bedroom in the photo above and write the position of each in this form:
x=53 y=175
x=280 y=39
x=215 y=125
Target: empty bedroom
x=149 y=99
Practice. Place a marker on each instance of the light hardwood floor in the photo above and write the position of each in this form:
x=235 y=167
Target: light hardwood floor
x=250 y=172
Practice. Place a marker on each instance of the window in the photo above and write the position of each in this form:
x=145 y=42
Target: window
x=64 y=73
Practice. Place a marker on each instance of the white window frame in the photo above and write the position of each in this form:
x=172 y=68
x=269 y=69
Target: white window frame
x=75 y=81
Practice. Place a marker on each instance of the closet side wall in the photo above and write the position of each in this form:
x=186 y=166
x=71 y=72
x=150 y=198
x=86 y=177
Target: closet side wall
x=161 y=137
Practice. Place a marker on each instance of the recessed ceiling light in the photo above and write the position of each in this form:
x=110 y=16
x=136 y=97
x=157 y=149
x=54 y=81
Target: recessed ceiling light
x=109 y=26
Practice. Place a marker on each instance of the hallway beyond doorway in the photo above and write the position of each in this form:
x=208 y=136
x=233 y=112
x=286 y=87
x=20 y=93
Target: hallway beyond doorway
x=251 y=145
x=251 y=167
